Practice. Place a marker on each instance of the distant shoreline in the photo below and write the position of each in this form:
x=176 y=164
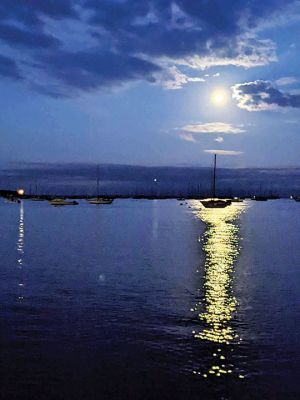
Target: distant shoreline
x=13 y=193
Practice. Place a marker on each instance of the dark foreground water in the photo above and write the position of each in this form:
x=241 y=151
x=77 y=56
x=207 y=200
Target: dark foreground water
x=150 y=300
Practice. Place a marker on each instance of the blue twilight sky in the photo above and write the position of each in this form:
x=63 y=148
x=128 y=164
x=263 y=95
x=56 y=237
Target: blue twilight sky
x=152 y=82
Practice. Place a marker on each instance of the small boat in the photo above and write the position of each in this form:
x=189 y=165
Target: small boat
x=215 y=202
x=236 y=200
x=260 y=198
x=98 y=199
x=62 y=202
x=296 y=198
x=37 y=199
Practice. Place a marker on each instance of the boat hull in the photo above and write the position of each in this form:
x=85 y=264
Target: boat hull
x=100 y=201
x=62 y=202
x=215 y=203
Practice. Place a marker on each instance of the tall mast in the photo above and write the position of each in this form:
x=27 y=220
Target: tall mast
x=214 y=181
x=97 y=180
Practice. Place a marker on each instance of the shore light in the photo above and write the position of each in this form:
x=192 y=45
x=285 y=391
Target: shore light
x=21 y=192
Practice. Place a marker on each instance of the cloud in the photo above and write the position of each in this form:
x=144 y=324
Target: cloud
x=213 y=127
x=9 y=68
x=172 y=78
x=90 y=70
x=291 y=121
x=187 y=137
x=224 y=152
x=286 y=80
x=32 y=12
x=262 y=95
x=246 y=53
x=219 y=139
x=25 y=38
x=129 y=40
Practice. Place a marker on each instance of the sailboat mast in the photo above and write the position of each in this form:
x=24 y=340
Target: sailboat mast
x=98 y=181
x=214 y=181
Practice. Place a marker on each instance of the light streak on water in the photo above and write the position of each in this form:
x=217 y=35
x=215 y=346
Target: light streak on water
x=221 y=245
x=20 y=245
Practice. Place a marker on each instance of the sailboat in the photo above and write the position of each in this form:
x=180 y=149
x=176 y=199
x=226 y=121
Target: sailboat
x=98 y=199
x=58 y=202
x=215 y=202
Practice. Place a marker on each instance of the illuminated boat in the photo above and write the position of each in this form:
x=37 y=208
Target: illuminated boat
x=236 y=200
x=215 y=202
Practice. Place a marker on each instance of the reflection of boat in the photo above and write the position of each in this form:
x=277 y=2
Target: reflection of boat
x=98 y=199
x=62 y=202
x=214 y=202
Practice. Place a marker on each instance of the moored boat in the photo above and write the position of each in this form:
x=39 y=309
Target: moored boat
x=62 y=202
x=214 y=202
x=99 y=200
x=260 y=198
x=236 y=200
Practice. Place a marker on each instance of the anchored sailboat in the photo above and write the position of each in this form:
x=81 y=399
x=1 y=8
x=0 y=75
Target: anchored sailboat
x=215 y=202
x=58 y=202
x=98 y=199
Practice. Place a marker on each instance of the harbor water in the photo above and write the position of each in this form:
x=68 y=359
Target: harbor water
x=145 y=299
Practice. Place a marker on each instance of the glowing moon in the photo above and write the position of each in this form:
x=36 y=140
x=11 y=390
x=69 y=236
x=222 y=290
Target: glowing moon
x=218 y=97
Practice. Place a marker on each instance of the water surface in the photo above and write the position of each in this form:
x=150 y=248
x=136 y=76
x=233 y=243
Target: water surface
x=148 y=300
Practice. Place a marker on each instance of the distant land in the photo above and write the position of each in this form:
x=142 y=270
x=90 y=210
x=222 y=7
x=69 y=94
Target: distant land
x=126 y=180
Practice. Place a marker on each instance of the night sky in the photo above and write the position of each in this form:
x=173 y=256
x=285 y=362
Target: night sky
x=150 y=82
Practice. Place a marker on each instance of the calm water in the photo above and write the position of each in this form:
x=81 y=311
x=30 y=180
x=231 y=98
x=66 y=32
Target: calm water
x=150 y=300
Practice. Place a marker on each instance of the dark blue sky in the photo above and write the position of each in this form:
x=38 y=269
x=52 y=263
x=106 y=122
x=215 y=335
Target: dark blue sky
x=151 y=82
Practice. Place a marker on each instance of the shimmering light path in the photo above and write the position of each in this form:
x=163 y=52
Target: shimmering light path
x=221 y=245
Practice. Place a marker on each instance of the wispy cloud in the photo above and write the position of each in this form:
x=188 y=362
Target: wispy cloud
x=219 y=139
x=292 y=121
x=262 y=95
x=248 y=53
x=187 y=137
x=224 y=152
x=172 y=78
x=286 y=80
x=213 y=127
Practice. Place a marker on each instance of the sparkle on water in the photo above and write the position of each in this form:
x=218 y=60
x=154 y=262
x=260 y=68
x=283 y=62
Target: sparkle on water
x=221 y=248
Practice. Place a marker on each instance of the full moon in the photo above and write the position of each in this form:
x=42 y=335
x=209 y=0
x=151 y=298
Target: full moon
x=218 y=97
